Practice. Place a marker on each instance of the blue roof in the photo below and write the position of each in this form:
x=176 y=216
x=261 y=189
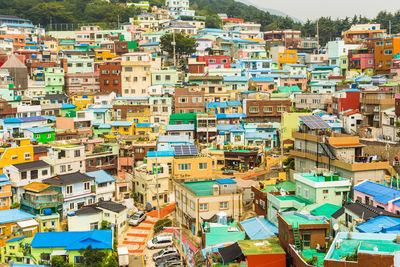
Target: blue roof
x=99 y=110
x=51 y=118
x=15 y=239
x=14 y=215
x=132 y=98
x=174 y=139
x=230 y=127
x=231 y=116
x=225 y=181
x=97 y=239
x=4 y=180
x=262 y=79
x=27 y=265
x=67 y=106
x=101 y=176
x=143 y=125
x=34 y=118
x=380 y=224
x=121 y=123
x=12 y=120
x=151 y=44
x=222 y=104
x=40 y=130
x=104 y=126
x=166 y=153
x=20 y=25
x=256 y=135
x=380 y=193
x=180 y=127
x=235 y=79
x=259 y=228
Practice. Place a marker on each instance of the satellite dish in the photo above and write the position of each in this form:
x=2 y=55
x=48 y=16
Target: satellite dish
x=336 y=227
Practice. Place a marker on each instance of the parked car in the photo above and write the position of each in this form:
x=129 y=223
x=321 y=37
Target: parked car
x=165 y=252
x=160 y=242
x=137 y=218
x=172 y=263
x=167 y=260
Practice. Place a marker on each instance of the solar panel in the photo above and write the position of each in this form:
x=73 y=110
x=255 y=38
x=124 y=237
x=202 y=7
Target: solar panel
x=314 y=122
x=186 y=150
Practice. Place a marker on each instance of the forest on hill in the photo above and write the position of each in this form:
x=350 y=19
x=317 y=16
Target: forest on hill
x=45 y=12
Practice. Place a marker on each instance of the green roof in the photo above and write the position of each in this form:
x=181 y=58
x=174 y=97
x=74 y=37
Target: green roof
x=289 y=89
x=202 y=188
x=286 y=185
x=348 y=246
x=294 y=198
x=318 y=179
x=294 y=218
x=226 y=150
x=310 y=253
x=261 y=247
x=223 y=233
x=326 y=210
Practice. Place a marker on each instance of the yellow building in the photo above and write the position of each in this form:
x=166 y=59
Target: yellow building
x=122 y=128
x=143 y=128
x=16 y=223
x=5 y=193
x=82 y=101
x=52 y=45
x=102 y=55
x=66 y=45
x=22 y=152
x=289 y=56
x=190 y=167
x=141 y=116
x=290 y=124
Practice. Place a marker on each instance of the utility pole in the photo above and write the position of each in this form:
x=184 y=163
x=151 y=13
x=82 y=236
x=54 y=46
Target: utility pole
x=318 y=36
x=180 y=237
x=174 y=46
x=390 y=28
x=156 y=182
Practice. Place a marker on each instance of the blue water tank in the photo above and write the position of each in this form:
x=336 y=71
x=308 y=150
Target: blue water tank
x=47 y=211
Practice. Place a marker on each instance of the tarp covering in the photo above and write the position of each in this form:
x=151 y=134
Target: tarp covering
x=230 y=253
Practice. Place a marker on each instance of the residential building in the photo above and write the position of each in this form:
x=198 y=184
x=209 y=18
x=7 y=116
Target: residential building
x=44 y=245
x=372 y=102
x=54 y=80
x=78 y=190
x=110 y=77
x=265 y=110
x=360 y=32
x=105 y=185
x=65 y=159
x=204 y=199
x=16 y=223
x=5 y=192
x=188 y=101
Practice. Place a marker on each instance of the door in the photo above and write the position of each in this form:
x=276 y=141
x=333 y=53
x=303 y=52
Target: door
x=165 y=198
x=306 y=241
x=367 y=200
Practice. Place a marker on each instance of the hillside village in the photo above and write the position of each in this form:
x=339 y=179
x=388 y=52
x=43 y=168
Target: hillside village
x=161 y=142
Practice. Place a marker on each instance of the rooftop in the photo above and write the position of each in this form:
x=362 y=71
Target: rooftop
x=101 y=176
x=286 y=185
x=295 y=218
x=70 y=178
x=261 y=247
x=202 y=188
x=14 y=215
x=31 y=165
x=380 y=193
x=326 y=210
x=259 y=228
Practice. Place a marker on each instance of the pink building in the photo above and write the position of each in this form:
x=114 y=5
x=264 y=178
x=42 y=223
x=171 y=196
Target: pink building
x=86 y=35
x=264 y=84
x=367 y=61
x=378 y=195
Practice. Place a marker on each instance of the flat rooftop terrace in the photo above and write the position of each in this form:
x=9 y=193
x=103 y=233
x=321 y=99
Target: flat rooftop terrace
x=294 y=218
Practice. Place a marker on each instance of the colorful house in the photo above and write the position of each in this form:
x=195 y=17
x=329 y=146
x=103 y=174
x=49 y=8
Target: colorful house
x=20 y=153
x=68 y=110
x=17 y=250
x=41 y=134
x=5 y=193
x=122 y=127
x=16 y=223
x=143 y=128
x=68 y=245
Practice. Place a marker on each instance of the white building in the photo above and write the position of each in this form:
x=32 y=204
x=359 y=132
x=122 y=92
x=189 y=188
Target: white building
x=66 y=159
x=105 y=185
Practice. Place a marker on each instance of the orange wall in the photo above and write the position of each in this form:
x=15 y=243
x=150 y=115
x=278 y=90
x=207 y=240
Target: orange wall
x=270 y=260
x=65 y=123
x=5 y=196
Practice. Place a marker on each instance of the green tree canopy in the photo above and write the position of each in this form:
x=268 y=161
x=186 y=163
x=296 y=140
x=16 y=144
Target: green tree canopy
x=185 y=45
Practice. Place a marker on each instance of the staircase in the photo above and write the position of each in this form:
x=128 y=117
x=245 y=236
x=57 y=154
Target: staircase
x=296 y=236
x=327 y=150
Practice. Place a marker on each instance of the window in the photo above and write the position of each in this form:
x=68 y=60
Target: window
x=27 y=155
x=268 y=109
x=183 y=199
x=253 y=109
x=167 y=77
x=23 y=175
x=69 y=189
x=63 y=168
x=94 y=225
x=262 y=204
x=45 y=256
x=34 y=174
x=192 y=205
x=79 y=260
x=182 y=100
x=325 y=191
x=306 y=240
x=203 y=207
x=86 y=186
x=388 y=52
x=185 y=167
x=71 y=205
x=196 y=99
x=281 y=109
x=77 y=153
x=203 y=166
x=223 y=205
x=14 y=157
x=306 y=193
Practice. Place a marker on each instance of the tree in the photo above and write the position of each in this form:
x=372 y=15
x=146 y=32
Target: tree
x=92 y=257
x=213 y=22
x=185 y=45
x=105 y=225
x=59 y=261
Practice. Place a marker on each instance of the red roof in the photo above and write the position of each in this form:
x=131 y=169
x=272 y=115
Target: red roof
x=234 y=20
x=351 y=112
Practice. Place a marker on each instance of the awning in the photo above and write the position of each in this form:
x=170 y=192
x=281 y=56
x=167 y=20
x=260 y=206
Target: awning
x=27 y=223
x=59 y=252
x=230 y=253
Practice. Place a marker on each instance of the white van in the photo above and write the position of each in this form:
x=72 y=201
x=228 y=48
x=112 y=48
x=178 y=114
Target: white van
x=160 y=242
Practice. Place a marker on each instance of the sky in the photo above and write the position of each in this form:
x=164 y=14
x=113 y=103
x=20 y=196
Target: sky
x=312 y=9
